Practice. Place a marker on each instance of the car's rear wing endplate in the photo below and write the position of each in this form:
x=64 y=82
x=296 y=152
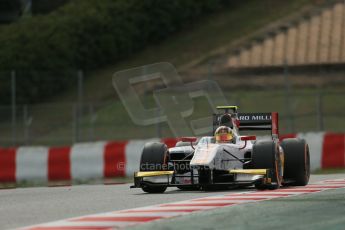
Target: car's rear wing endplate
x=259 y=121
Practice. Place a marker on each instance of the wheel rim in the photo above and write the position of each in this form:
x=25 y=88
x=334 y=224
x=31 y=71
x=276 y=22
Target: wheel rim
x=306 y=163
x=277 y=173
x=278 y=168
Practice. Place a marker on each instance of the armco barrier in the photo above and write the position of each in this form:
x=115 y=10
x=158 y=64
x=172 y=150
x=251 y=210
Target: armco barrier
x=116 y=159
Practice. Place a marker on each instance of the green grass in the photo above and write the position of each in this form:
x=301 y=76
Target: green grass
x=113 y=122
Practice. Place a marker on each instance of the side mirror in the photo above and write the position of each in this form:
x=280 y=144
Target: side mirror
x=248 y=138
x=189 y=139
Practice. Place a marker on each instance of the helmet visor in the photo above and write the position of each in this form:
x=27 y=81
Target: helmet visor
x=223 y=137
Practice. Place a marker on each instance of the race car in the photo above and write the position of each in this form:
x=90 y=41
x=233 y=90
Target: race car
x=226 y=159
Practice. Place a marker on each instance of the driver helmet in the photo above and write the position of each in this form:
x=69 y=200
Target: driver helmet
x=224 y=134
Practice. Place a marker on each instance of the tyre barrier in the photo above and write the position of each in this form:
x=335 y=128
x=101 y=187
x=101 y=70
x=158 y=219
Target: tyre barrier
x=101 y=160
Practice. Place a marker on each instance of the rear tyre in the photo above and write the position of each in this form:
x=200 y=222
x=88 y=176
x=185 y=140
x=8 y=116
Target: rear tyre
x=266 y=155
x=154 y=158
x=297 y=161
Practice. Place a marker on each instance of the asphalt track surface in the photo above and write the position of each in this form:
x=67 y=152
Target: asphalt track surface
x=30 y=206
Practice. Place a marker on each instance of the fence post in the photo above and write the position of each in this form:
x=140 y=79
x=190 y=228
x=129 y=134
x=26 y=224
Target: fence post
x=79 y=112
x=288 y=97
x=237 y=99
x=319 y=107
x=158 y=128
x=92 y=120
x=75 y=123
x=27 y=122
x=14 y=108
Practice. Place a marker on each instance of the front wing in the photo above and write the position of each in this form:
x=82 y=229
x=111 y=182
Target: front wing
x=172 y=179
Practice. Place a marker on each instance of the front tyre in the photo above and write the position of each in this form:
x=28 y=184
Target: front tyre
x=154 y=189
x=154 y=158
x=266 y=155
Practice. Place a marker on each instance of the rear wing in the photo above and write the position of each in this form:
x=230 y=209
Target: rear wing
x=246 y=121
x=259 y=121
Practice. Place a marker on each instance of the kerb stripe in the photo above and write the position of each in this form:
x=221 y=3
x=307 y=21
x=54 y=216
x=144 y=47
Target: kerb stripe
x=333 y=151
x=59 y=164
x=8 y=165
x=114 y=159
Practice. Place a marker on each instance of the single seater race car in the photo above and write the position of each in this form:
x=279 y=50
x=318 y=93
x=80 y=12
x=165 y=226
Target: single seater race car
x=226 y=159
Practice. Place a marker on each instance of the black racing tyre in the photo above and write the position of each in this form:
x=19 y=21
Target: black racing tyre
x=297 y=161
x=154 y=189
x=261 y=186
x=189 y=188
x=266 y=155
x=154 y=158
